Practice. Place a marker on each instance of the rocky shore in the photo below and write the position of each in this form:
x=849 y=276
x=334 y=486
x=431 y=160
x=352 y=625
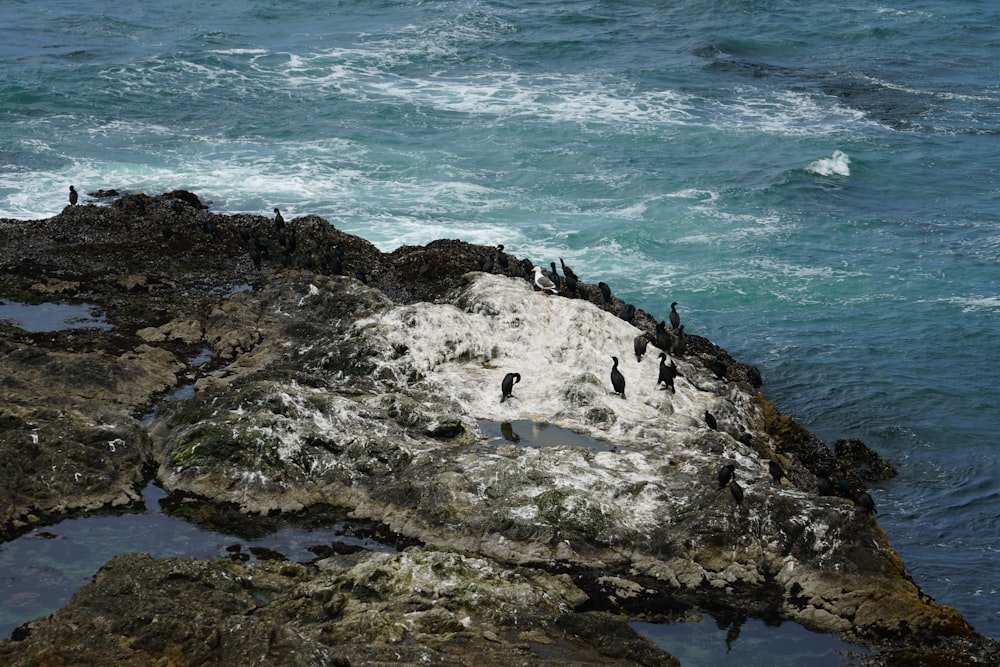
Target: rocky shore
x=326 y=373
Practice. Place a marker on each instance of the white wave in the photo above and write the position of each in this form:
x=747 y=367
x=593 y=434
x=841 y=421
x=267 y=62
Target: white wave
x=978 y=303
x=837 y=164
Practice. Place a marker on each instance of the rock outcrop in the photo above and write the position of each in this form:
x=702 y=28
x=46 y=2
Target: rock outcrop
x=328 y=373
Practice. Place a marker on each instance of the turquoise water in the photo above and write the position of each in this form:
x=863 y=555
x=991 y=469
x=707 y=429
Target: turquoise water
x=816 y=184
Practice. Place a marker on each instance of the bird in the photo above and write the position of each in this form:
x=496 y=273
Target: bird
x=605 y=290
x=667 y=374
x=680 y=344
x=501 y=256
x=675 y=318
x=543 y=282
x=777 y=472
x=736 y=490
x=279 y=222
x=487 y=265
x=867 y=503
x=662 y=336
x=710 y=421
x=74 y=196
x=718 y=367
x=555 y=275
x=627 y=313
x=507 y=386
x=639 y=344
x=727 y=473
x=571 y=279
x=617 y=379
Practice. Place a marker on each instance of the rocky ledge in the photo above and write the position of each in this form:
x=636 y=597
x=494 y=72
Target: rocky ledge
x=325 y=373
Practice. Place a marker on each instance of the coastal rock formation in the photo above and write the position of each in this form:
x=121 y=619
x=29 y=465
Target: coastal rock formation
x=325 y=372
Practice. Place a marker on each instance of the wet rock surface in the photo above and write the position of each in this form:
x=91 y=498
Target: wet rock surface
x=326 y=373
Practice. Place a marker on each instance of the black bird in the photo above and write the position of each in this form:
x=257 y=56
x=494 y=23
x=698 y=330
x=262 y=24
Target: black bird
x=617 y=379
x=776 y=471
x=556 y=278
x=507 y=386
x=279 y=222
x=736 y=490
x=867 y=503
x=74 y=196
x=675 y=318
x=662 y=336
x=639 y=344
x=710 y=421
x=727 y=473
x=667 y=374
x=628 y=313
x=718 y=367
x=605 y=290
x=501 y=256
x=680 y=344
x=568 y=272
x=487 y=265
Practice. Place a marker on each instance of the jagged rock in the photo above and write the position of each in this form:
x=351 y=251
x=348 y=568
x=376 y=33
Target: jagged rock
x=344 y=376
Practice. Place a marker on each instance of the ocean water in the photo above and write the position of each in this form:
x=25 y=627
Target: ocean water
x=815 y=183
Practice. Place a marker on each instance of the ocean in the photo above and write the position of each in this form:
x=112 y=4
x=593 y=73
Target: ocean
x=815 y=183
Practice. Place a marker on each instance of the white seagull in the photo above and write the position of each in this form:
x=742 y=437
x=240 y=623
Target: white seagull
x=543 y=281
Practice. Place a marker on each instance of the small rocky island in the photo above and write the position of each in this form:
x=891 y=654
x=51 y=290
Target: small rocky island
x=326 y=376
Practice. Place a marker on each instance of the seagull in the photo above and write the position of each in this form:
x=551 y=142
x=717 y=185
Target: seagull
x=543 y=282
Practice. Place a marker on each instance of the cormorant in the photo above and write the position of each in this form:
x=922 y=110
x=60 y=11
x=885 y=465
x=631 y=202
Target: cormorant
x=487 y=265
x=662 y=337
x=675 y=318
x=667 y=374
x=776 y=471
x=555 y=275
x=639 y=344
x=543 y=282
x=867 y=503
x=279 y=222
x=507 y=386
x=736 y=490
x=74 y=196
x=568 y=272
x=605 y=290
x=718 y=367
x=710 y=421
x=680 y=344
x=727 y=473
x=501 y=256
x=617 y=379
x=628 y=313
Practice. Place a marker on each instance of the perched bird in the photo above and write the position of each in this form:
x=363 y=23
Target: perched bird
x=710 y=421
x=718 y=367
x=501 y=256
x=569 y=276
x=555 y=275
x=487 y=265
x=628 y=313
x=279 y=222
x=680 y=344
x=675 y=318
x=74 y=196
x=605 y=290
x=667 y=374
x=617 y=379
x=727 y=473
x=662 y=336
x=639 y=344
x=736 y=490
x=543 y=282
x=777 y=472
x=507 y=385
x=867 y=503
